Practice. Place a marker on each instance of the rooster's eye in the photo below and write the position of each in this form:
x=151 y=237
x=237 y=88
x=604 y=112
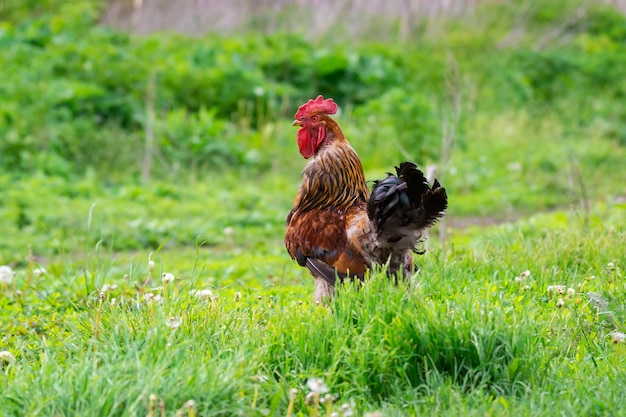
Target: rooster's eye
x=315 y=118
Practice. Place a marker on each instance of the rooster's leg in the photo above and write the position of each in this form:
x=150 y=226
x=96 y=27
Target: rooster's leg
x=323 y=290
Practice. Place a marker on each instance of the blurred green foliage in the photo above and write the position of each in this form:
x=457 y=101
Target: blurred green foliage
x=75 y=94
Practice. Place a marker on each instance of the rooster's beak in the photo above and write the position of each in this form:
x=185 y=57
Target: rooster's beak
x=296 y=123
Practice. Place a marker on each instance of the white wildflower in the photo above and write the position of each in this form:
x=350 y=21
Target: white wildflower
x=618 y=337
x=560 y=303
x=108 y=287
x=514 y=166
x=6 y=357
x=317 y=385
x=327 y=399
x=237 y=296
x=559 y=289
x=310 y=398
x=347 y=409
x=151 y=265
x=190 y=405
x=206 y=293
x=174 y=322
x=158 y=299
x=113 y=301
x=167 y=277
x=147 y=297
x=6 y=274
x=258 y=91
x=610 y=265
x=39 y=271
x=292 y=393
x=571 y=291
x=521 y=277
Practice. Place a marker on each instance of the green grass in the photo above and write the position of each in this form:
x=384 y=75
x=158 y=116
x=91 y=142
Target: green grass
x=535 y=180
x=465 y=338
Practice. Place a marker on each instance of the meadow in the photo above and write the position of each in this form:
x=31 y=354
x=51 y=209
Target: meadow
x=146 y=179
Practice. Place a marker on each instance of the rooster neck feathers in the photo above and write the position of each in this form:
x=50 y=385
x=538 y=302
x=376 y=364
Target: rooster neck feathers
x=334 y=178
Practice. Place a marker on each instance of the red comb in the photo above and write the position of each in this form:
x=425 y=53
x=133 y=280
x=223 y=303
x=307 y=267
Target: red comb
x=327 y=106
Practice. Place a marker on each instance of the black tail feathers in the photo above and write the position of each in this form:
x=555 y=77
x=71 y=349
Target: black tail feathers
x=404 y=202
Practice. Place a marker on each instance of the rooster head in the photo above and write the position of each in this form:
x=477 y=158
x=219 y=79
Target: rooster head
x=312 y=117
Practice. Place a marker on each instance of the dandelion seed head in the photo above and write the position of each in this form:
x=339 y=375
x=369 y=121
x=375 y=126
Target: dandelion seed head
x=108 y=287
x=560 y=303
x=310 y=398
x=327 y=399
x=618 y=337
x=559 y=289
x=39 y=272
x=174 y=322
x=6 y=274
x=151 y=265
x=101 y=295
x=158 y=299
x=205 y=293
x=147 y=297
x=6 y=357
x=347 y=409
x=292 y=393
x=167 y=277
x=237 y=296
x=571 y=291
x=317 y=385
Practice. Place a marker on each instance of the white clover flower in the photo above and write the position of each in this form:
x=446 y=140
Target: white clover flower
x=174 y=322
x=108 y=287
x=347 y=409
x=6 y=274
x=167 y=277
x=317 y=385
x=327 y=398
x=559 y=289
x=39 y=271
x=521 y=277
x=292 y=393
x=205 y=293
x=6 y=356
x=618 y=337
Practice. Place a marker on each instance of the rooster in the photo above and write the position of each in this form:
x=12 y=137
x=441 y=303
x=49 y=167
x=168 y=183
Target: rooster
x=337 y=228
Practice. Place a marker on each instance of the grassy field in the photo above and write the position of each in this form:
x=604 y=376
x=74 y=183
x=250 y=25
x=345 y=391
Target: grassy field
x=123 y=294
